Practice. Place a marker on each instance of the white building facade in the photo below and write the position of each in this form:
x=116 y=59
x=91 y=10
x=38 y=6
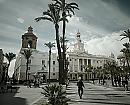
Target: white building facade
x=38 y=62
x=80 y=60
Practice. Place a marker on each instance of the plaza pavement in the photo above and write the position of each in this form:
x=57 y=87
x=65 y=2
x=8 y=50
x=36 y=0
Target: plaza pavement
x=98 y=95
x=93 y=95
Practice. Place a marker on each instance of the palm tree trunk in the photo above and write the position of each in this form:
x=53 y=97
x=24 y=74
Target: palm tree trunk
x=49 y=64
x=59 y=53
x=64 y=73
x=7 y=73
x=26 y=70
x=64 y=26
x=112 y=78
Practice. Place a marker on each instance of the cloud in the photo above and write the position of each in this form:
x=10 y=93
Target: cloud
x=20 y=20
x=2 y=1
x=100 y=23
x=106 y=44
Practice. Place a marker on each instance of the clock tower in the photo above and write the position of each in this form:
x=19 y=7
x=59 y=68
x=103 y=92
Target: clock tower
x=78 y=46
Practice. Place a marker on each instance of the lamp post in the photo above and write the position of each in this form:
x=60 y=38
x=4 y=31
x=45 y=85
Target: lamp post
x=29 y=83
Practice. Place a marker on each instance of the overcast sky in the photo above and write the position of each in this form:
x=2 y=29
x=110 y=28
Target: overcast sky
x=100 y=23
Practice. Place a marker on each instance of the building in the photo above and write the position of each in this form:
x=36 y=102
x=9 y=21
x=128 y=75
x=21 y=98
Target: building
x=3 y=67
x=1 y=64
x=80 y=60
x=38 y=62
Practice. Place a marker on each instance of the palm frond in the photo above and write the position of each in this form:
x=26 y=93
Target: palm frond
x=43 y=18
x=10 y=56
x=64 y=19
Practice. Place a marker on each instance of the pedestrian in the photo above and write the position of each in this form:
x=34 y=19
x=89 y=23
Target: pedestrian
x=115 y=80
x=125 y=83
x=103 y=81
x=80 y=87
x=93 y=80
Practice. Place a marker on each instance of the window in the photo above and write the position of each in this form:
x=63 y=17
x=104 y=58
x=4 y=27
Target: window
x=53 y=73
x=53 y=69
x=53 y=62
x=70 y=59
x=28 y=68
x=29 y=61
x=43 y=62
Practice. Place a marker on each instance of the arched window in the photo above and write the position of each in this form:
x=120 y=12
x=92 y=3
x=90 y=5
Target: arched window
x=30 y=44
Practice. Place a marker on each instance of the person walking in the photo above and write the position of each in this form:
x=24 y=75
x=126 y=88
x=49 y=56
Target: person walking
x=125 y=83
x=93 y=80
x=80 y=87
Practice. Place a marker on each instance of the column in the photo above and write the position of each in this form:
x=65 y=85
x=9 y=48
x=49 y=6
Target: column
x=83 y=64
x=87 y=62
x=78 y=65
x=73 y=64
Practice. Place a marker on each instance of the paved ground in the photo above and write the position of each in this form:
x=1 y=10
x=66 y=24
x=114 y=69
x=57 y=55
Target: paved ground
x=93 y=95
x=98 y=95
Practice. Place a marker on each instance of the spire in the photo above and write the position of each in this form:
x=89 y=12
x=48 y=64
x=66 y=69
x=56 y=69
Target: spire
x=30 y=29
x=78 y=34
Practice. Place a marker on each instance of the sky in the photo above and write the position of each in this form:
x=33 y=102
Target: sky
x=100 y=23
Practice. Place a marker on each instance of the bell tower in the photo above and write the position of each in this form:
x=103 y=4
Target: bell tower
x=78 y=46
x=29 y=40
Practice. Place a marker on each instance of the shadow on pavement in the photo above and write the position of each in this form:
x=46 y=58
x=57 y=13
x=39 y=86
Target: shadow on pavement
x=9 y=98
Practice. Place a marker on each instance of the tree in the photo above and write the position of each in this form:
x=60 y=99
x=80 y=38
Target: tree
x=9 y=56
x=126 y=53
x=27 y=54
x=4 y=67
x=49 y=45
x=64 y=72
x=66 y=9
x=53 y=15
x=110 y=66
x=126 y=50
x=55 y=94
x=126 y=34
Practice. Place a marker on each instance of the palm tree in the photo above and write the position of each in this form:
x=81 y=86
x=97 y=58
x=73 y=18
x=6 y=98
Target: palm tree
x=9 y=56
x=55 y=94
x=49 y=45
x=111 y=66
x=64 y=55
x=52 y=14
x=65 y=8
x=126 y=53
x=126 y=34
x=27 y=54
